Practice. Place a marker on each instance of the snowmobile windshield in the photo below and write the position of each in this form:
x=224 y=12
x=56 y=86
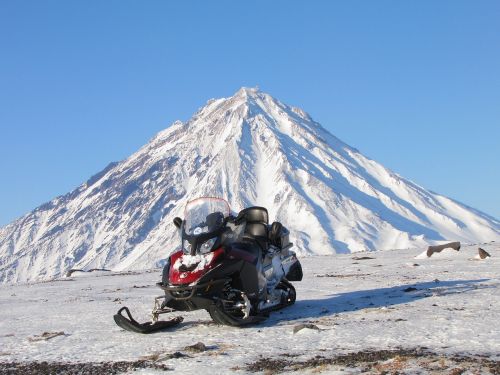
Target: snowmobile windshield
x=205 y=215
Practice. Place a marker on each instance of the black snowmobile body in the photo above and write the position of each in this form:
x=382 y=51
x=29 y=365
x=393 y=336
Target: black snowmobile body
x=237 y=268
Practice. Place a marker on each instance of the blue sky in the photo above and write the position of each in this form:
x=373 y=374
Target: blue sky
x=414 y=85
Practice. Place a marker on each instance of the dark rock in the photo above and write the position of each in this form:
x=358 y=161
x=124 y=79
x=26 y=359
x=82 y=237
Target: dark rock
x=196 y=348
x=438 y=248
x=483 y=254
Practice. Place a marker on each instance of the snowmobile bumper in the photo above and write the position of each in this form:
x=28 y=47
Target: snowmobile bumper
x=130 y=324
x=191 y=297
x=185 y=292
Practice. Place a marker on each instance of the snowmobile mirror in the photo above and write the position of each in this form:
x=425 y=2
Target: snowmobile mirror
x=178 y=222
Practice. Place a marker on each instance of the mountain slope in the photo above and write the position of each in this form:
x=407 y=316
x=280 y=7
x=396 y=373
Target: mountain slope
x=252 y=150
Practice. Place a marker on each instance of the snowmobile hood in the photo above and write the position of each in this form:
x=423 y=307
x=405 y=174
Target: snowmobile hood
x=187 y=269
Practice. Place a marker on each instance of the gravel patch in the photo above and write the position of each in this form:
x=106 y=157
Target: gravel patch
x=61 y=368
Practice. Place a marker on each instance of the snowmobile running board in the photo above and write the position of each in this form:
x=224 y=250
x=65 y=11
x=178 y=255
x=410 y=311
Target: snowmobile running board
x=130 y=324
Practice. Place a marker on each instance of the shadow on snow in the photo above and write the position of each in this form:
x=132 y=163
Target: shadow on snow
x=373 y=298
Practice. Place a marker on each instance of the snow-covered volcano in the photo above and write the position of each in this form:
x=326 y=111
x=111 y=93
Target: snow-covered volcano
x=252 y=150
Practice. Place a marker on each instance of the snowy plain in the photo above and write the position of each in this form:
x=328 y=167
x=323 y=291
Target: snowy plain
x=448 y=305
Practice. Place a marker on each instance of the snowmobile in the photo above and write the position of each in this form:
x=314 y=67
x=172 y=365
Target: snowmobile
x=237 y=267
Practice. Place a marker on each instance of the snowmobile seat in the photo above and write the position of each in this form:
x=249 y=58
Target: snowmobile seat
x=256 y=229
x=253 y=214
x=256 y=226
x=257 y=232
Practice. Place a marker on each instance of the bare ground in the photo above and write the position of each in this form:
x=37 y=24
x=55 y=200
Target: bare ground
x=399 y=361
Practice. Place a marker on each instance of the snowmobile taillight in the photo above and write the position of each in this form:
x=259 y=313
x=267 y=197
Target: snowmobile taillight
x=188 y=269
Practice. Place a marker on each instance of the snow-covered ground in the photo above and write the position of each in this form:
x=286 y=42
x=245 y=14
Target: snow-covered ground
x=448 y=305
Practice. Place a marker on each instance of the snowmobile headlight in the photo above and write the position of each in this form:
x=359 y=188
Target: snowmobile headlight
x=207 y=245
x=186 y=247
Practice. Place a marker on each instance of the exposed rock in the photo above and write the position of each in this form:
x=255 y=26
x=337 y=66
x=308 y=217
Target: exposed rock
x=196 y=348
x=483 y=254
x=438 y=248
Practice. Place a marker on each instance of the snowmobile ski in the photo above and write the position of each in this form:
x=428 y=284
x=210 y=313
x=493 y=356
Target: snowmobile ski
x=130 y=324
